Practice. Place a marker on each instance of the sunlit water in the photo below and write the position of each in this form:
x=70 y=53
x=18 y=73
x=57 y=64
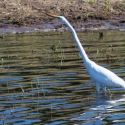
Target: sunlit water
x=43 y=79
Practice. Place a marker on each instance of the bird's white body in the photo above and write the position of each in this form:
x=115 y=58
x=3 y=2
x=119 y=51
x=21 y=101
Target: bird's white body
x=100 y=75
x=104 y=77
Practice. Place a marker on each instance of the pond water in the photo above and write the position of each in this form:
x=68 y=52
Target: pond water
x=43 y=79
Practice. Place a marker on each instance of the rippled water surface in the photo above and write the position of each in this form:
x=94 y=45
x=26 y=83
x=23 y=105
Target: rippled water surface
x=43 y=79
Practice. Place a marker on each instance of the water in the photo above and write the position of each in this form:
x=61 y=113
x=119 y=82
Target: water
x=43 y=79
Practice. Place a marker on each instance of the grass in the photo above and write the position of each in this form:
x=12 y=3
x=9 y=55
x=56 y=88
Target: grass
x=25 y=12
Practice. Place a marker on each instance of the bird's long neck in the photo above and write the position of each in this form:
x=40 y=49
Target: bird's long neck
x=81 y=49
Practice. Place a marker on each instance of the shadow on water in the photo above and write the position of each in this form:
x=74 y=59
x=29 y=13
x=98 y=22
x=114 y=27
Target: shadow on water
x=43 y=79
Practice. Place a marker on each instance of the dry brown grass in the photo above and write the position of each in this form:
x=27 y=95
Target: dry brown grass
x=24 y=12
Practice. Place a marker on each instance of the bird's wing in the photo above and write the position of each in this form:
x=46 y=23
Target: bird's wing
x=104 y=76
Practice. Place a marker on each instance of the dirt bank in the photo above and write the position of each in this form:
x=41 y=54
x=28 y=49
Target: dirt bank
x=27 y=15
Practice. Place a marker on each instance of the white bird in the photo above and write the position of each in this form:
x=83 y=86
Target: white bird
x=101 y=76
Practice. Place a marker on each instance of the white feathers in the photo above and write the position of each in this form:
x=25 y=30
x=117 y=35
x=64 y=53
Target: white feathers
x=101 y=76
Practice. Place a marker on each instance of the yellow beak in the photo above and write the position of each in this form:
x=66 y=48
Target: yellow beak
x=52 y=15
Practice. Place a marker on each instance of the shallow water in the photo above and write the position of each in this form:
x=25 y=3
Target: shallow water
x=43 y=79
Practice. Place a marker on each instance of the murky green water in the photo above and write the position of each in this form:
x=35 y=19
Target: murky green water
x=43 y=79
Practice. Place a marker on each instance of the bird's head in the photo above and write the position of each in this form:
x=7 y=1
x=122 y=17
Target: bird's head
x=60 y=18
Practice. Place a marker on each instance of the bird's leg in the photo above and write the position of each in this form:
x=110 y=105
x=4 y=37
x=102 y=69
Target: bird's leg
x=97 y=87
x=104 y=90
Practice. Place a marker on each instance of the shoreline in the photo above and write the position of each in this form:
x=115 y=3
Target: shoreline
x=57 y=26
x=28 y=16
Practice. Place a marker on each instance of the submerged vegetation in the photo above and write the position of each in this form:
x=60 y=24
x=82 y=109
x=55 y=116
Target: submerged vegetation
x=43 y=78
x=29 y=12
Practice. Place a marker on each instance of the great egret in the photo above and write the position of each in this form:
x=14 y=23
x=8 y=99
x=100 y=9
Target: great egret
x=100 y=75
